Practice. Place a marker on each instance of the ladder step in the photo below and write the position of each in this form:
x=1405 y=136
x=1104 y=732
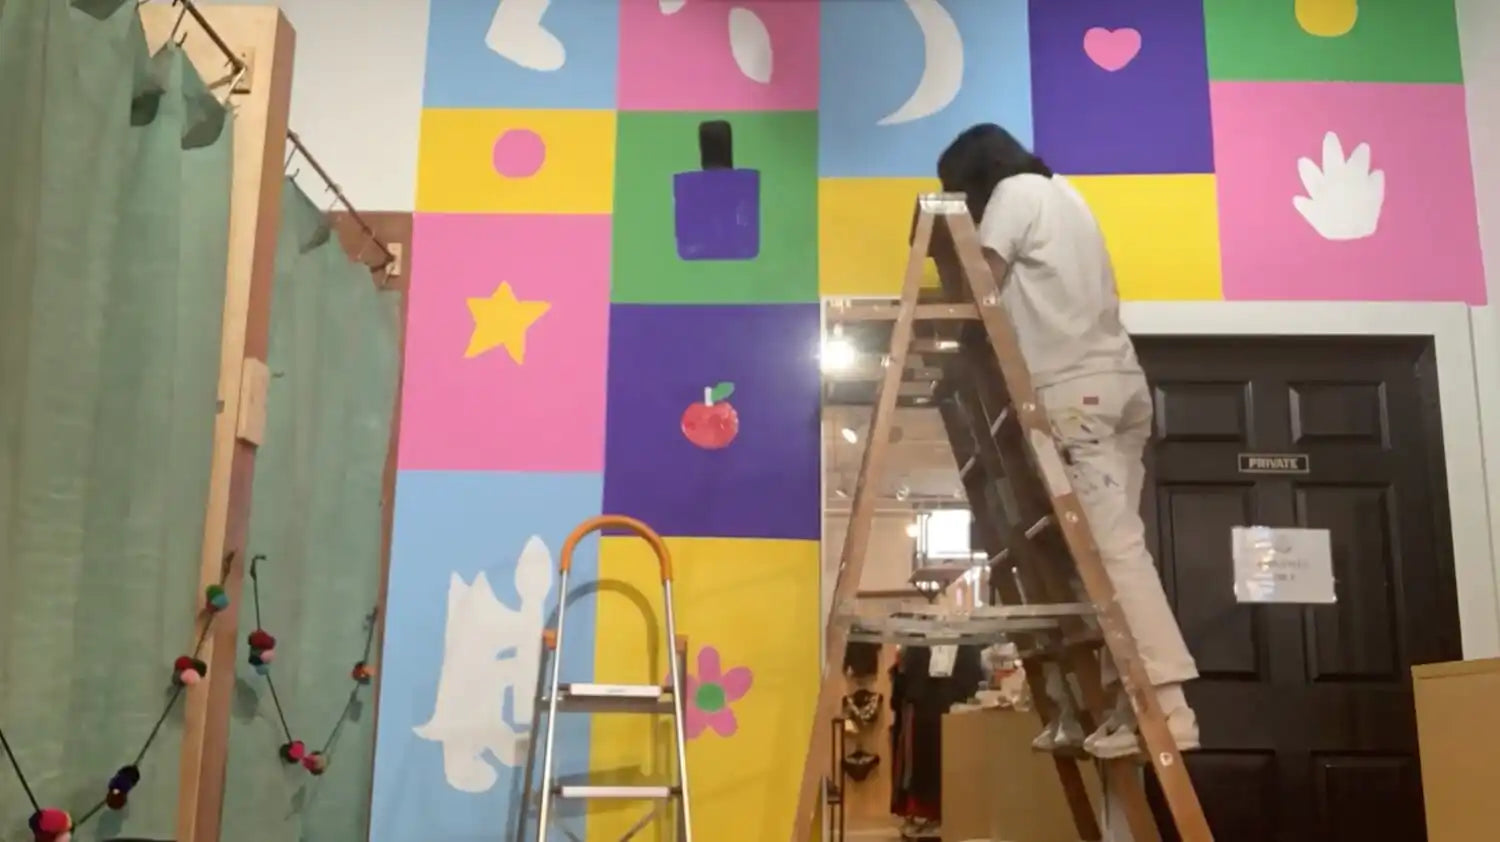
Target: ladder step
x=614 y=698
x=619 y=793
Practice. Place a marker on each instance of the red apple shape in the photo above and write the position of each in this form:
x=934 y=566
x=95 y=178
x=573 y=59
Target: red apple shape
x=713 y=423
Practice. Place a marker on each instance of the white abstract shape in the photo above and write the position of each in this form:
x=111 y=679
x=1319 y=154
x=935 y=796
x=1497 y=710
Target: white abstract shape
x=750 y=44
x=1345 y=197
x=671 y=7
x=489 y=650
x=516 y=33
x=943 y=64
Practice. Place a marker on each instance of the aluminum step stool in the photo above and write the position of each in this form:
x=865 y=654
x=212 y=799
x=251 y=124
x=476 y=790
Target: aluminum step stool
x=590 y=698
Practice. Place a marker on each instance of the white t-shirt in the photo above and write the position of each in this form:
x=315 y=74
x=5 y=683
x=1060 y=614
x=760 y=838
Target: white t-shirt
x=1060 y=288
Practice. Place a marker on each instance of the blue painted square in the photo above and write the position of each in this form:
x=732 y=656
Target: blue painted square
x=455 y=650
x=874 y=54
x=669 y=457
x=718 y=214
x=467 y=67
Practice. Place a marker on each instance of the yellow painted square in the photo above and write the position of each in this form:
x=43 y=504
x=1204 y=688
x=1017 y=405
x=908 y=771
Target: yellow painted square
x=864 y=225
x=457 y=173
x=1162 y=231
x=756 y=602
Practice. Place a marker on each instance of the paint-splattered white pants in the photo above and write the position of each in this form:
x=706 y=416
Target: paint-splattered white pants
x=1103 y=422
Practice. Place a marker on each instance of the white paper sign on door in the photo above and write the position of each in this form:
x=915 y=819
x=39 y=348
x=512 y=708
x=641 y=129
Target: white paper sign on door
x=1273 y=565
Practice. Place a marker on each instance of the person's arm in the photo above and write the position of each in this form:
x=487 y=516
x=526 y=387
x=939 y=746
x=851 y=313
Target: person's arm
x=1009 y=218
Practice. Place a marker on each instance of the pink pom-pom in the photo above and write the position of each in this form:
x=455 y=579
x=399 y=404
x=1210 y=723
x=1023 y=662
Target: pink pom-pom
x=189 y=677
x=267 y=656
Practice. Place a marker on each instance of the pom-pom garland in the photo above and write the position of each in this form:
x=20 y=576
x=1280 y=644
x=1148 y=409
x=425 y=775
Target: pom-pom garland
x=54 y=825
x=124 y=780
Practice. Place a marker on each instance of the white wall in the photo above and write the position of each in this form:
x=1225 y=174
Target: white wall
x=357 y=93
x=1479 y=44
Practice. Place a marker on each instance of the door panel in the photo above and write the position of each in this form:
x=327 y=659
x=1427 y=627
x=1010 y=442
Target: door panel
x=1306 y=711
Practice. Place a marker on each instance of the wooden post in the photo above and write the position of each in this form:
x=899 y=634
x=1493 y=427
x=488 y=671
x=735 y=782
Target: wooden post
x=264 y=40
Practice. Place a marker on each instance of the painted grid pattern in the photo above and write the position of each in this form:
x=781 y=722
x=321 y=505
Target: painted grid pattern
x=585 y=289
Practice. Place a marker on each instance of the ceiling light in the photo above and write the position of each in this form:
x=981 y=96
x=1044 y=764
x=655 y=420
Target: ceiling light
x=849 y=435
x=902 y=493
x=912 y=530
x=838 y=353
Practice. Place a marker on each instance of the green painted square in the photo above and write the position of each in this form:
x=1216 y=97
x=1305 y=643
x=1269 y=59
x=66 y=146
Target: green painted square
x=653 y=146
x=1390 y=41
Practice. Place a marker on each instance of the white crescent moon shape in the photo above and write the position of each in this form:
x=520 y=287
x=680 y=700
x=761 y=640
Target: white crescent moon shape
x=671 y=7
x=943 y=68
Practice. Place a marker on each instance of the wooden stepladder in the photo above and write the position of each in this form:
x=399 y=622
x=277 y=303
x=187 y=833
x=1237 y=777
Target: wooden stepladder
x=1027 y=518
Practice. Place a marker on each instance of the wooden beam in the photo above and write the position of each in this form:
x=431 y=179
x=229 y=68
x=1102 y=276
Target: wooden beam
x=264 y=40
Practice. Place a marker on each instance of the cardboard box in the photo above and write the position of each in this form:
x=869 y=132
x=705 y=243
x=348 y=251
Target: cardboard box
x=996 y=788
x=1458 y=730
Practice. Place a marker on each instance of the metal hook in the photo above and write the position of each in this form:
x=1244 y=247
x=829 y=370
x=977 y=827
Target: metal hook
x=172 y=36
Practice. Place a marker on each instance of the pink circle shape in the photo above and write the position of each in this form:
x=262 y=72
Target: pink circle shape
x=519 y=153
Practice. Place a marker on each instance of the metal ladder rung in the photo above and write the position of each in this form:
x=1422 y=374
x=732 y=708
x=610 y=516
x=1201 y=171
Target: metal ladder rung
x=613 y=698
x=618 y=793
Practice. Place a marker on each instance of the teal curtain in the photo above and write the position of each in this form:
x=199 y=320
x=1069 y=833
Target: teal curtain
x=316 y=520
x=115 y=170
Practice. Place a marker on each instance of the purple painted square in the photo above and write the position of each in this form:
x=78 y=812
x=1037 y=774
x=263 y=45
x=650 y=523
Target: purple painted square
x=1150 y=115
x=718 y=214
x=765 y=483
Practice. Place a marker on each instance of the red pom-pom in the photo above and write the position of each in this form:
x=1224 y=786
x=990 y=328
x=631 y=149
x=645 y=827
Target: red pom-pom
x=115 y=799
x=262 y=639
x=362 y=673
x=315 y=763
x=51 y=822
x=293 y=752
x=188 y=670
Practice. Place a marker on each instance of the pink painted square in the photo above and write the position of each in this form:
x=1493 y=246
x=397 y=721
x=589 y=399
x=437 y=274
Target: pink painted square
x=718 y=55
x=1386 y=208
x=466 y=403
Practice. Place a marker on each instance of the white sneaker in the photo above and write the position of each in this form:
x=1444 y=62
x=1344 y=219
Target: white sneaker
x=1120 y=717
x=1124 y=741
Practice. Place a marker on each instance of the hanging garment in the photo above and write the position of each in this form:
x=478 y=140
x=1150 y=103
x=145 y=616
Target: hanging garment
x=919 y=701
x=861 y=660
x=862 y=707
x=859 y=764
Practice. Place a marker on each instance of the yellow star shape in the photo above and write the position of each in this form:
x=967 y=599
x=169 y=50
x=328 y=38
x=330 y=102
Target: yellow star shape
x=500 y=320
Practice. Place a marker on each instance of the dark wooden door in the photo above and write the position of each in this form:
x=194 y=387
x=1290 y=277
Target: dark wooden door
x=1306 y=712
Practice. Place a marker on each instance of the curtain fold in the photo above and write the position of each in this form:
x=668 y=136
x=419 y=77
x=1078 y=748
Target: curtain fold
x=316 y=517
x=115 y=170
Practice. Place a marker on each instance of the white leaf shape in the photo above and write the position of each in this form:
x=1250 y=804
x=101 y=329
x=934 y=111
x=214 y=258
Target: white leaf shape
x=670 y=7
x=750 y=44
x=1344 y=197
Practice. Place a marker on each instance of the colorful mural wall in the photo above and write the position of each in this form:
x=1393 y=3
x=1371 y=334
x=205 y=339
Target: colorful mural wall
x=627 y=213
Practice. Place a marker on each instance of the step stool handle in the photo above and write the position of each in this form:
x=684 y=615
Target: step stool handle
x=629 y=524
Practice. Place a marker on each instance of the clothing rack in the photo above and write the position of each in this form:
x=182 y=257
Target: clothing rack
x=238 y=68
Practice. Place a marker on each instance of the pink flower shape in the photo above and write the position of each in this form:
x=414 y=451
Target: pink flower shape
x=710 y=692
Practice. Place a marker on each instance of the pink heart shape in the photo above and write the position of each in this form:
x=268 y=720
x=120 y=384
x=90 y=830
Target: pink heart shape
x=1111 y=49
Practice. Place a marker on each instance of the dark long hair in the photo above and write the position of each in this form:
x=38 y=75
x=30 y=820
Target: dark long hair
x=981 y=157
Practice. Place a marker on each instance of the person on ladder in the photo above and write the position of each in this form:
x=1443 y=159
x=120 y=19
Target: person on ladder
x=1057 y=285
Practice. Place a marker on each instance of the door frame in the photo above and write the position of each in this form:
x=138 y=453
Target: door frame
x=1470 y=485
